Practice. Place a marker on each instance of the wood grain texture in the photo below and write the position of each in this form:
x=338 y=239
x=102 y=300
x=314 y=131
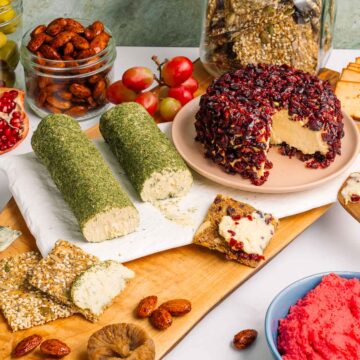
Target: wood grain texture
x=186 y=272
x=352 y=208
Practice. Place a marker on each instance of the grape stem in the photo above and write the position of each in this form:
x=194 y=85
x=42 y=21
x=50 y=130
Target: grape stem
x=159 y=65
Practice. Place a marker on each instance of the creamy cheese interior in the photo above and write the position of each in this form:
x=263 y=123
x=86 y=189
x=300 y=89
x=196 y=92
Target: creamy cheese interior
x=166 y=184
x=294 y=134
x=352 y=187
x=99 y=285
x=255 y=234
x=110 y=224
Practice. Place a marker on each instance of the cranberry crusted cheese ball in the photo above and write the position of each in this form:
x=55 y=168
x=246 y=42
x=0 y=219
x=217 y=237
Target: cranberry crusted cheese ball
x=246 y=111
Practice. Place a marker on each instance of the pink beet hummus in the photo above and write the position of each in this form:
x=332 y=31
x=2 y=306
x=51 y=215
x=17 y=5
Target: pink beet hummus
x=325 y=324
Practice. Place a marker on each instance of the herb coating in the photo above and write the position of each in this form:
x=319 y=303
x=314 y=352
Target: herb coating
x=79 y=171
x=145 y=152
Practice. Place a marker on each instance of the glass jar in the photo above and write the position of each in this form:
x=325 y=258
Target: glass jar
x=10 y=37
x=73 y=87
x=295 y=32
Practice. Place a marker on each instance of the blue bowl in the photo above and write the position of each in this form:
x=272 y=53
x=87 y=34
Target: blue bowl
x=280 y=306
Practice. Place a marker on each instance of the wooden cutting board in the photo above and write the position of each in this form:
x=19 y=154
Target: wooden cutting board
x=189 y=272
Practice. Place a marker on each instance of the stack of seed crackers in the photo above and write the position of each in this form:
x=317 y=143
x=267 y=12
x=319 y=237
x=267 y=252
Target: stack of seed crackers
x=34 y=291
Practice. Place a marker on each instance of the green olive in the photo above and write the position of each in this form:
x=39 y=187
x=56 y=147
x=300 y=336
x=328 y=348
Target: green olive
x=9 y=53
x=269 y=10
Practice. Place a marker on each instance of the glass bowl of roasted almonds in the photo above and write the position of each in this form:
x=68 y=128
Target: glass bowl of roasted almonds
x=68 y=66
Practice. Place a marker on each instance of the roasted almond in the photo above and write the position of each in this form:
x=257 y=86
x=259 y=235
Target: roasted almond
x=41 y=97
x=49 y=52
x=97 y=28
x=58 y=103
x=80 y=43
x=95 y=78
x=80 y=91
x=99 y=88
x=73 y=25
x=244 y=339
x=26 y=345
x=62 y=38
x=68 y=49
x=65 y=95
x=52 y=109
x=100 y=42
x=54 y=347
x=85 y=54
x=177 y=307
x=38 y=30
x=56 y=26
x=36 y=42
x=146 y=307
x=76 y=111
x=161 y=319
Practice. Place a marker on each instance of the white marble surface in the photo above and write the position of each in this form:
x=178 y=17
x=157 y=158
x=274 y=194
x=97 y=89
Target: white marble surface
x=332 y=243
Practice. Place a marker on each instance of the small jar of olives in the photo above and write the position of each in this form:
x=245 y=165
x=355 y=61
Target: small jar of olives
x=240 y=32
x=10 y=39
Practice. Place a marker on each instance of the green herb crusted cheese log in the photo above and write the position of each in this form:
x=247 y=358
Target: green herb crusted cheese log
x=150 y=160
x=100 y=205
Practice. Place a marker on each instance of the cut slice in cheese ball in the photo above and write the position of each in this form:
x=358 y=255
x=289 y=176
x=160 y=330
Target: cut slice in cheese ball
x=95 y=289
x=150 y=160
x=348 y=93
x=102 y=208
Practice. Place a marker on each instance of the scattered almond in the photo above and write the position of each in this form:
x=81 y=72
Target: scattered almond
x=161 y=319
x=146 y=307
x=177 y=307
x=244 y=338
x=26 y=345
x=54 y=347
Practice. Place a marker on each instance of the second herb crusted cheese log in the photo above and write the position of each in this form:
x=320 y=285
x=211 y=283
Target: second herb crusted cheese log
x=150 y=160
x=100 y=205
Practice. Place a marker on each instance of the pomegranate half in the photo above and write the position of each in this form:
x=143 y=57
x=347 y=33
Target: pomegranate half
x=14 y=122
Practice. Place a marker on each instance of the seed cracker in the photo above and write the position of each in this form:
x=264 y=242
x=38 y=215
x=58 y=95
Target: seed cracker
x=208 y=234
x=56 y=273
x=22 y=305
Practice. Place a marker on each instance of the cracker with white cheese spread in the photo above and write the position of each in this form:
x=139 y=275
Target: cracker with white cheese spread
x=24 y=306
x=236 y=229
x=56 y=273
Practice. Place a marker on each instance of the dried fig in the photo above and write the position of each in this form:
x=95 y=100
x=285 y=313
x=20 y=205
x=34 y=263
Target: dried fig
x=120 y=341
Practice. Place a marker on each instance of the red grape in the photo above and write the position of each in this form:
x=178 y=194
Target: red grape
x=181 y=94
x=149 y=101
x=177 y=70
x=118 y=93
x=168 y=108
x=190 y=84
x=138 y=78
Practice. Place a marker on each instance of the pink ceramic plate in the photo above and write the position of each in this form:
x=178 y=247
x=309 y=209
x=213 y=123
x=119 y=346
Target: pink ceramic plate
x=287 y=175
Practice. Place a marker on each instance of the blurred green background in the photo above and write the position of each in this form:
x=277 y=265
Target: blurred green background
x=164 y=22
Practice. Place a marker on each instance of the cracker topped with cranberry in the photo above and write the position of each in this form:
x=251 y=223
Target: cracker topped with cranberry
x=237 y=230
